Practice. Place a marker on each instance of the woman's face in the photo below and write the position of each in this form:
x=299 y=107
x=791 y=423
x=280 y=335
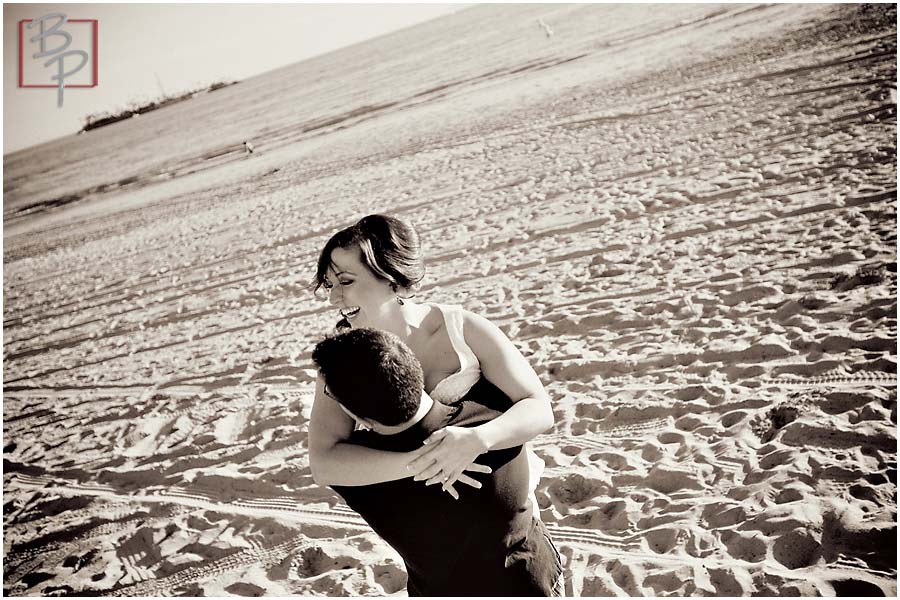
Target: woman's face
x=363 y=299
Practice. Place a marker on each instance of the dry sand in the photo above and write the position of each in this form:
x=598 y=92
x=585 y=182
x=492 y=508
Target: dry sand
x=687 y=224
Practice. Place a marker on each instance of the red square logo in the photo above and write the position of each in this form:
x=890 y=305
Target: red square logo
x=57 y=52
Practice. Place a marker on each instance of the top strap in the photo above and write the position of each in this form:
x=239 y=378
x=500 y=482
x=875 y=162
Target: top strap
x=453 y=318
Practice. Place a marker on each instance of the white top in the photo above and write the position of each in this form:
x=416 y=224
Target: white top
x=455 y=386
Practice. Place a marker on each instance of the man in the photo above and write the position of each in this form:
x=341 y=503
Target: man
x=486 y=542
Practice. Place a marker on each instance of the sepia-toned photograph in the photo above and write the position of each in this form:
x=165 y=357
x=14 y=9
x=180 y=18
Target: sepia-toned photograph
x=450 y=300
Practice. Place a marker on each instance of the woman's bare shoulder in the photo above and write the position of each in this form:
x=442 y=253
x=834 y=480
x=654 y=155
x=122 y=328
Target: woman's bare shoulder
x=432 y=323
x=478 y=322
x=480 y=331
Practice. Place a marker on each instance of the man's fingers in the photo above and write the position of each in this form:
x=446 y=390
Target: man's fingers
x=469 y=481
x=476 y=468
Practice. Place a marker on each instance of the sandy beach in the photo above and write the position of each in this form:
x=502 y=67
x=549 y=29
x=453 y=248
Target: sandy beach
x=685 y=217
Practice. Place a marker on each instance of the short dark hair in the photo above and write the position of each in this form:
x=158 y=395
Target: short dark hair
x=389 y=247
x=372 y=373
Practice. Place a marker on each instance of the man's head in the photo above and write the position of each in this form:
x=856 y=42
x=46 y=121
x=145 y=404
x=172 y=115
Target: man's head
x=372 y=374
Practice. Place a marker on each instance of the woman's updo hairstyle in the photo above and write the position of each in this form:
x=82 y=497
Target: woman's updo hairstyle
x=389 y=247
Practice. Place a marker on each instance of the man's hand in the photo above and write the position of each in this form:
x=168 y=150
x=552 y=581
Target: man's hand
x=447 y=453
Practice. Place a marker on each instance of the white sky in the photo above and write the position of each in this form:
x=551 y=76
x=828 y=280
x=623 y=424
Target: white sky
x=186 y=46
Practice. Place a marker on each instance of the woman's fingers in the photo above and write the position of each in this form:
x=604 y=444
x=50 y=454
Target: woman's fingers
x=428 y=473
x=420 y=453
x=468 y=481
x=452 y=491
x=451 y=479
x=448 y=483
x=439 y=478
x=476 y=468
x=423 y=461
x=435 y=473
x=434 y=465
x=429 y=465
x=435 y=437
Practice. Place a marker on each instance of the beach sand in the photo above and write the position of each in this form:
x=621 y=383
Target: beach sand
x=684 y=216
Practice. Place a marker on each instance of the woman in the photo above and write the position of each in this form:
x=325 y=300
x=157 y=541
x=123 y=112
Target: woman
x=370 y=269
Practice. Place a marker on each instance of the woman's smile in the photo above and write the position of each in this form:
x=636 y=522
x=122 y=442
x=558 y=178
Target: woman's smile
x=349 y=313
x=360 y=297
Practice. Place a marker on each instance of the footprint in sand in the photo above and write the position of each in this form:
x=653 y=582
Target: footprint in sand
x=661 y=540
x=669 y=582
x=728 y=582
x=601 y=586
x=788 y=495
x=668 y=480
x=245 y=589
x=745 y=546
x=857 y=588
x=390 y=577
x=613 y=516
x=776 y=459
x=718 y=515
x=732 y=418
x=681 y=441
x=689 y=423
x=569 y=491
x=626 y=576
x=314 y=561
x=796 y=549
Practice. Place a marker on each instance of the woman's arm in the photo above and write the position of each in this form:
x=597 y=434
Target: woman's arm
x=504 y=366
x=530 y=415
x=334 y=461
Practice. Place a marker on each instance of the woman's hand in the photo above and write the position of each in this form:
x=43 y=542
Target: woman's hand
x=449 y=452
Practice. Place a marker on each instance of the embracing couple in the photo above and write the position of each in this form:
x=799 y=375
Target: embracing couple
x=419 y=420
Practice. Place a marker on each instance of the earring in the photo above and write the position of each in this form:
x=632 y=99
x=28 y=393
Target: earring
x=394 y=289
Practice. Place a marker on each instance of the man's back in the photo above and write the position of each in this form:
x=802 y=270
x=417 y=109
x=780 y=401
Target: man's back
x=484 y=543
